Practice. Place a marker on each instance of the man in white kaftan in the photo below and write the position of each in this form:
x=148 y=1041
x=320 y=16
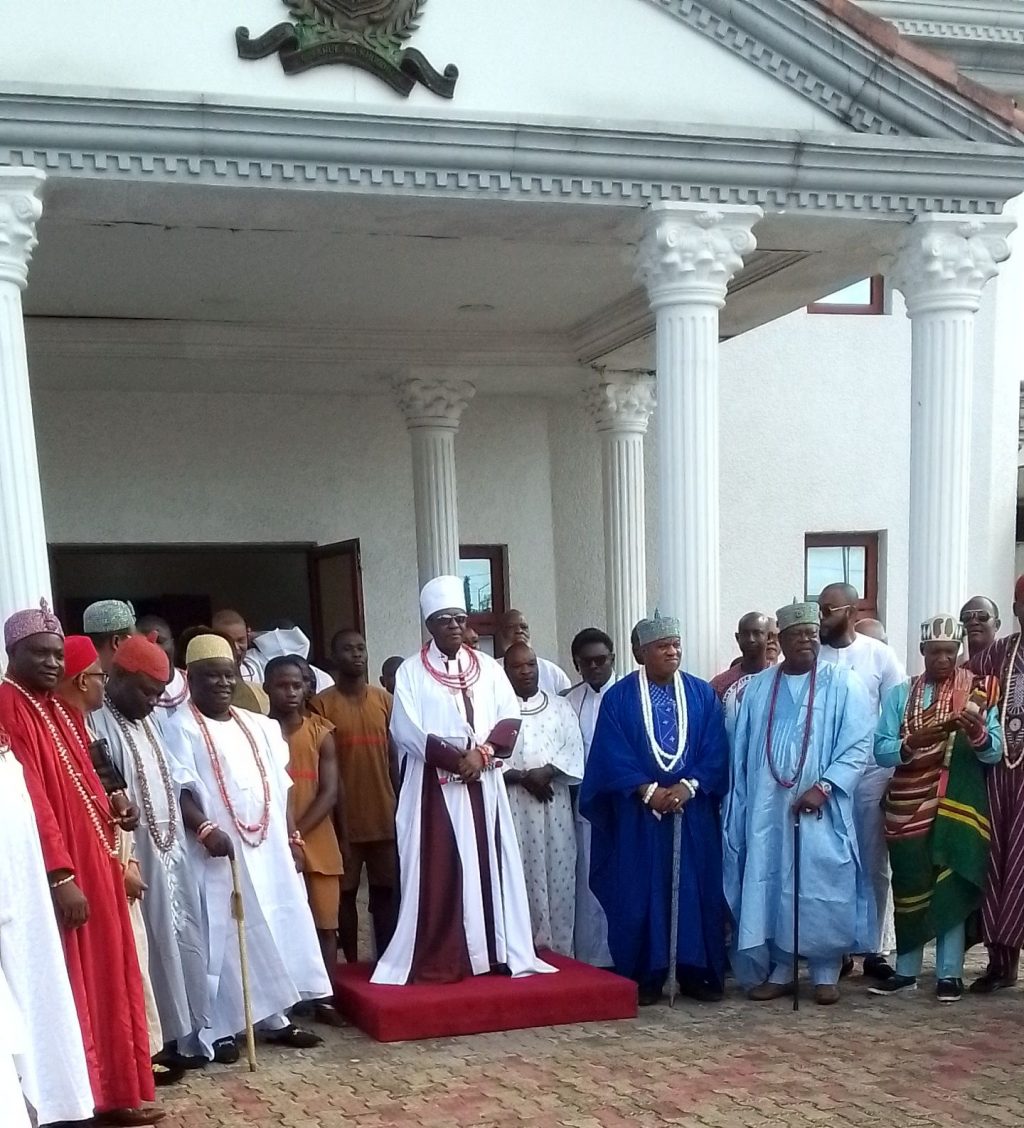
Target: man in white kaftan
x=545 y=763
x=38 y=1020
x=172 y=907
x=593 y=654
x=240 y=760
x=879 y=670
x=454 y=716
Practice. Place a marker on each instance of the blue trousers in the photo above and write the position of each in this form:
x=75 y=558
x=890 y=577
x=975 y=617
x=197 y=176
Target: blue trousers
x=949 y=956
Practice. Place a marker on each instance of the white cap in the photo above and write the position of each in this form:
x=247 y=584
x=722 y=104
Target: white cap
x=442 y=594
x=282 y=644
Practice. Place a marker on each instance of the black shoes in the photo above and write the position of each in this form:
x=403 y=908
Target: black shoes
x=992 y=981
x=878 y=967
x=225 y=1051
x=949 y=990
x=894 y=985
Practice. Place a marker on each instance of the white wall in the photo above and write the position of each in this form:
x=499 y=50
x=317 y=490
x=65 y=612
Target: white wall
x=164 y=468
x=602 y=60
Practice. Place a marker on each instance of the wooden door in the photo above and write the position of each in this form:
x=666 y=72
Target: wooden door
x=336 y=590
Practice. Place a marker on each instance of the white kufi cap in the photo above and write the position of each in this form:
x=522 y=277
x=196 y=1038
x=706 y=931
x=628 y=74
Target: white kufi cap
x=442 y=593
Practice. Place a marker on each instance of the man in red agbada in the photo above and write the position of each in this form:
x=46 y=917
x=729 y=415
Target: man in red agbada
x=77 y=832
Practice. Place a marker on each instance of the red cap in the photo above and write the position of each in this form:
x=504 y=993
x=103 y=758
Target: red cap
x=140 y=654
x=79 y=655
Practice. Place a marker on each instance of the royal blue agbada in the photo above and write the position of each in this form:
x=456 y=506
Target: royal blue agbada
x=631 y=851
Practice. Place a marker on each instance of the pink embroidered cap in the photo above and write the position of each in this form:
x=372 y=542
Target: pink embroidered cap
x=22 y=624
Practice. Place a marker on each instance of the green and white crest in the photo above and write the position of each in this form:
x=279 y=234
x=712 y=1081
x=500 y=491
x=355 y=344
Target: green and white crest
x=370 y=34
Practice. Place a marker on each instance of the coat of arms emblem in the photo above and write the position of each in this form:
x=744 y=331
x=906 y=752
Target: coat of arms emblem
x=365 y=33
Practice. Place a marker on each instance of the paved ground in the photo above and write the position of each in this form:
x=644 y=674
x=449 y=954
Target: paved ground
x=868 y=1061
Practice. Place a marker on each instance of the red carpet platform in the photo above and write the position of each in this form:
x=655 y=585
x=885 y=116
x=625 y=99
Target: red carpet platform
x=578 y=993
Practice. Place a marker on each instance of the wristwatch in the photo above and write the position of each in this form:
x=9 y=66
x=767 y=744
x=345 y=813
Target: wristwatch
x=824 y=787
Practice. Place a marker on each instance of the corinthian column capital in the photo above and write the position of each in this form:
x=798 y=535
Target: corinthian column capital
x=430 y=402
x=20 y=209
x=946 y=261
x=690 y=252
x=621 y=402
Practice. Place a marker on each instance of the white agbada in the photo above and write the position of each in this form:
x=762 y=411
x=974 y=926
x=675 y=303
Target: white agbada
x=285 y=963
x=173 y=699
x=591 y=938
x=424 y=707
x=546 y=831
x=877 y=666
x=282 y=644
x=43 y=1033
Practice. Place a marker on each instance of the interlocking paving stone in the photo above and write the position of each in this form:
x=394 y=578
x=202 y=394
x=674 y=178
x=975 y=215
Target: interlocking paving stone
x=898 y=1063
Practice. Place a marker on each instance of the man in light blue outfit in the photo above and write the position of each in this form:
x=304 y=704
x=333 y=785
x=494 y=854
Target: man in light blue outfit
x=802 y=740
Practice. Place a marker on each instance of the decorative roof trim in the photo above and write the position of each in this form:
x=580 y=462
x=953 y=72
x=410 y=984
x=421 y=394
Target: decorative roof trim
x=854 y=66
x=183 y=142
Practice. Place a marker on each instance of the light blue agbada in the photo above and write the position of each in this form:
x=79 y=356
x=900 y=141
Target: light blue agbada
x=836 y=913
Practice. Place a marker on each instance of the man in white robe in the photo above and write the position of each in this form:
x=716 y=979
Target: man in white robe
x=464 y=907
x=171 y=908
x=514 y=628
x=240 y=760
x=175 y=693
x=879 y=670
x=545 y=763
x=38 y=1020
x=593 y=655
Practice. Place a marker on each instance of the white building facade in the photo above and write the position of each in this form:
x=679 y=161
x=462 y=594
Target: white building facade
x=557 y=319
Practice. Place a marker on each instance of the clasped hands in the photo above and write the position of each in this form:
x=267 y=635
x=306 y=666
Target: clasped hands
x=474 y=762
x=669 y=800
x=967 y=720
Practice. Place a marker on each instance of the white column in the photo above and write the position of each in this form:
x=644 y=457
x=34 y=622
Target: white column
x=620 y=406
x=432 y=410
x=687 y=257
x=24 y=566
x=942 y=268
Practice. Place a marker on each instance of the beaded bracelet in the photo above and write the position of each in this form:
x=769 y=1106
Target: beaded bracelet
x=649 y=794
x=63 y=881
x=206 y=830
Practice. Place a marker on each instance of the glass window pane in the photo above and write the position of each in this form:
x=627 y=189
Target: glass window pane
x=857 y=293
x=839 y=564
x=476 y=577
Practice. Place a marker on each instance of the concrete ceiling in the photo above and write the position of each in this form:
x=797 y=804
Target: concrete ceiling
x=189 y=286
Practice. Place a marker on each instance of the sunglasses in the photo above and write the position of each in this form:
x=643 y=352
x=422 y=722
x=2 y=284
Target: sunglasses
x=449 y=620
x=975 y=617
x=597 y=662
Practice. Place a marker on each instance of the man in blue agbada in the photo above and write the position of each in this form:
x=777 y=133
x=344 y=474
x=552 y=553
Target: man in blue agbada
x=803 y=738
x=659 y=753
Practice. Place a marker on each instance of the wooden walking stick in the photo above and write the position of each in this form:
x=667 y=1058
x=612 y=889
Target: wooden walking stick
x=796 y=909
x=238 y=912
x=673 y=930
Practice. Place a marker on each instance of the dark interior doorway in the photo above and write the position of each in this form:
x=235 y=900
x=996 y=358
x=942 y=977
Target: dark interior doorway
x=317 y=588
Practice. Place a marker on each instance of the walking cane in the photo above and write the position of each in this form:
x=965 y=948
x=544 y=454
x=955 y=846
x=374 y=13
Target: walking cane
x=796 y=909
x=673 y=931
x=238 y=912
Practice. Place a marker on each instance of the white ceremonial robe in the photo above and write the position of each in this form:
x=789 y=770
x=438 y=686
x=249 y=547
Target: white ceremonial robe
x=13 y=1040
x=285 y=963
x=175 y=934
x=49 y=1055
x=422 y=708
x=877 y=666
x=546 y=831
x=591 y=940
x=173 y=699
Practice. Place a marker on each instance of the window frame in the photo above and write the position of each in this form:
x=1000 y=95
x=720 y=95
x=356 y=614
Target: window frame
x=486 y=624
x=875 y=305
x=868 y=604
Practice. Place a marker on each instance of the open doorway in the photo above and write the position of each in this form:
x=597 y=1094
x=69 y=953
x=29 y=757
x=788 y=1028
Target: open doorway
x=319 y=589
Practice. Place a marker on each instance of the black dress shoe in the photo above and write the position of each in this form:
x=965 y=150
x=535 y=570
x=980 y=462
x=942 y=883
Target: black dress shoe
x=990 y=981
x=878 y=967
x=293 y=1037
x=225 y=1051
x=949 y=990
x=647 y=997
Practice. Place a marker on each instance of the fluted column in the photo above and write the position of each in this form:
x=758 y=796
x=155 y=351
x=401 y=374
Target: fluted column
x=432 y=410
x=620 y=405
x=943 y=266
x=687 y=257
x=24 y=565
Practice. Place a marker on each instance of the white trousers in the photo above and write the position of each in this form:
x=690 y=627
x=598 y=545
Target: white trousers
x=869 y=818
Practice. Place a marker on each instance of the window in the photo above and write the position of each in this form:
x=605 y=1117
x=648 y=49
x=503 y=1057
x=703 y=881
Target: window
x=843 y=558
x=864 y=297
x=484 y=572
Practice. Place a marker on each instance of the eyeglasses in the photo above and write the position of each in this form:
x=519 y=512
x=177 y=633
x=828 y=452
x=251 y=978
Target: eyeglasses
x=449 y=620
x=826 y=611
x=96 y=674
x=597 y=661
x=975 y=617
